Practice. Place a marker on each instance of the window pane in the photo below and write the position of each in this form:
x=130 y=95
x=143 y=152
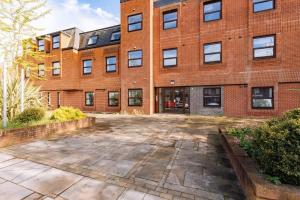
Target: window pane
x=56 y=65
x=135 y=54
x=212 y=48
x=87 y=63
x=92 y=40
x=212 y=101
x=263 y=92
x=135 y=18
x=89 y=98
x=212 y=16
x=111 y=68
x=262 y=103
x=115 y=36
x=170 y=53
x=169 y=25
x=133 y=27
x=213 y=58
x=41 y=48
x=264 y=42
x=111 y=61
x=87 y=70
x=41 y=42
x=170 y=16
x=55 y=45
x=133 y=63
x=267 y=52
x=170 y=62
x=212 y=7
x=267 y=5
x=55 y=39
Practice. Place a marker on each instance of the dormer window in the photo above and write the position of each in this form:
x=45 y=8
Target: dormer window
x=41 y=45
x=55 y=41
x=115 y=36
x=93 y=40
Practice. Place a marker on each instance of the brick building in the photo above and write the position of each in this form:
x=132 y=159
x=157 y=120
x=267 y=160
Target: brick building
x=211 y=57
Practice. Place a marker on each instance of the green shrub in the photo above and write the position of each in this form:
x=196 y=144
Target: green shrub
x=275 y=146
x=245 y=135
x=67 y=114
x=30 y=115
x=277 y=150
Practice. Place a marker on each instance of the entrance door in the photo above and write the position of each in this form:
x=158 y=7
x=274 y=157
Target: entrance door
x=175 y=100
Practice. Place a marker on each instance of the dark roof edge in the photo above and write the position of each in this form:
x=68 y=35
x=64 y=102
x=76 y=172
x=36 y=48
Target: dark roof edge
x=102 y=29
x=98 y=46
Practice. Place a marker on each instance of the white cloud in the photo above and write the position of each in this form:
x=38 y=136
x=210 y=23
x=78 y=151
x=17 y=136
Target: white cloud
x=70 y=13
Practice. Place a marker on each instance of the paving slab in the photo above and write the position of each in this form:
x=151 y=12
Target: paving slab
x=11 y=191
x=92 y=190
x=132 y=194
x=51 y=182
x=4 y=157
x=22 y=171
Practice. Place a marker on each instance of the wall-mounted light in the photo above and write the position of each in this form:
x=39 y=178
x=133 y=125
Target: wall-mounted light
x=172 y=82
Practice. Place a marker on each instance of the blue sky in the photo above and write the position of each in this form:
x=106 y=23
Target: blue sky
x=108 y=5
x=84 y=14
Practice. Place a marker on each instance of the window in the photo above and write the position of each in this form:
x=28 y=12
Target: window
x=212 y=10
x=170 y=57
x=41 y=45
x=135 y=22
x=113 y=99
x=135 y=58
x=55 y=68
x=262 y=97
x=49 y=99
x=263 y=5
x=41 y=70
x=115 y=36
x=87 y=67
x=89 y=98
x=93 y=40
x=111 y=64
x=212 y=97
x=264 y=47
x=213 y=53
x=135 y=97
x=55 y=42
x=58 y=99
x=170 y=19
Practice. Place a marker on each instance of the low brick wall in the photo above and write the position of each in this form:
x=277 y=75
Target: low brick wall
x=16 y=136
x=254 y=184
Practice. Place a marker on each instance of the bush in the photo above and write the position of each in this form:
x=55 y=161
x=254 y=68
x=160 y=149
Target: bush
x=30 y=115
x=275 y=145
x=67 y=114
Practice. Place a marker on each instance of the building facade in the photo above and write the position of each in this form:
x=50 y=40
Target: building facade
x=208 y=57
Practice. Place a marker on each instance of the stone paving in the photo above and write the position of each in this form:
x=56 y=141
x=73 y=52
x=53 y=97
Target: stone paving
x=123 y=158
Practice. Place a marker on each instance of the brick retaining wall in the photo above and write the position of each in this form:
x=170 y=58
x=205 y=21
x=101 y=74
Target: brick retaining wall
x=16 y=136
x=254 y=184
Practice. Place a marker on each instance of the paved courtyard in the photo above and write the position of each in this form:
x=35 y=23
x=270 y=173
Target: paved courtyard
x=123 y=158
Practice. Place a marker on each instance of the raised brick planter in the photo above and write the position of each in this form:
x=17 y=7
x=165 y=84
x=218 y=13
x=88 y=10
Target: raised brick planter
x=254 y=184
x=16 y=136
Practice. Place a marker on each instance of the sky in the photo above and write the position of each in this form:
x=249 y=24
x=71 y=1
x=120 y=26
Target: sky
x=84 y=14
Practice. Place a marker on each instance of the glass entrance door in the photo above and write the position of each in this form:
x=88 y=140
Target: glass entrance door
x=175 y=100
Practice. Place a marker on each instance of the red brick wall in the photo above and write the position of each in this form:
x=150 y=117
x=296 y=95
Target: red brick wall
x=289 y=95
x=235 y=100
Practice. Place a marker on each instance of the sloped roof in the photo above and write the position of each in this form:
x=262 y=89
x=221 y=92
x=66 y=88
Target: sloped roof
x=104 y=37
x=160 y=3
